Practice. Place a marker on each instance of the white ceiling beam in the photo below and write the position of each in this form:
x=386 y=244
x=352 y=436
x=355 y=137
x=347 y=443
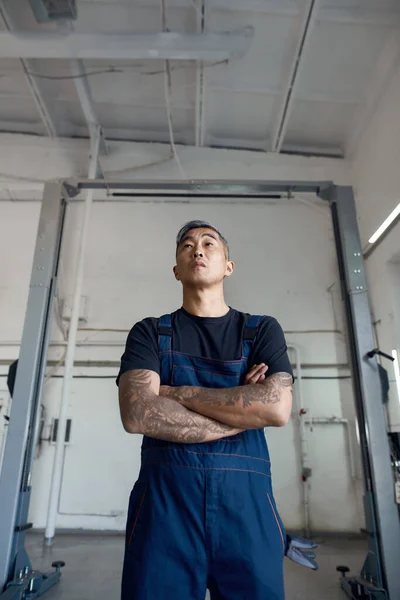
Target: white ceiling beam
x=358 y=16
x=386 y=17
x=286 y=107
x=42 y=158
x=331 y=97
x=42 y=107
x=278 y=7
x=382 y=75
x=23 y=127
x=304 y=150
x=66 y=100
x=325 y=97
x=221 y=141
x=164 y=46
x=131 y=134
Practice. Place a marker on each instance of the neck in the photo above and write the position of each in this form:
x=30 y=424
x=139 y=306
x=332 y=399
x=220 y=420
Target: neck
x=205 y=303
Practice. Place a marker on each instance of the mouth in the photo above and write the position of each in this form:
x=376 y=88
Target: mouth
x=198 y=265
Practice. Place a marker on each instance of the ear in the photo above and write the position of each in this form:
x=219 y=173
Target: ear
x=230 y=267
x=175 y=269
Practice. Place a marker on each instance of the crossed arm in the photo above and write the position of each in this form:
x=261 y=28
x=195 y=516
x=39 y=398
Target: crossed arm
x=248 y=407
x=192 y=414
x=144 y=411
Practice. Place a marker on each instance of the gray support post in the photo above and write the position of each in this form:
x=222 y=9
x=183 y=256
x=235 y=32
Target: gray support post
x=381 y=510
x=18 y=454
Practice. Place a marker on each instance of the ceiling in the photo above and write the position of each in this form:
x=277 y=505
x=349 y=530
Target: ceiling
x=308 y=83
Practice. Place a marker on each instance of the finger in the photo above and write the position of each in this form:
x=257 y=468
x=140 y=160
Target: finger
x=257 y=369
x=253 y=369
x=260 y=379
x=256 y=376
x=255 y=372
x=251 y=377
x=261 y=370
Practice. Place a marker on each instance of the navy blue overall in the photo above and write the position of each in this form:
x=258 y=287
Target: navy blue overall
x=203 y=515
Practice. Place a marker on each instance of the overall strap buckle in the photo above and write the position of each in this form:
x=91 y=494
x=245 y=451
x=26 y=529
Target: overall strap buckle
x=250 y=333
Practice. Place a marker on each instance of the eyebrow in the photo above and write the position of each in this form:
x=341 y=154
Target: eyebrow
x=190 y=237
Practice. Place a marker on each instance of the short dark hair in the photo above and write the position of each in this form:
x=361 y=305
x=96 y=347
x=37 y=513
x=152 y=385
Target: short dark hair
x=198 y=224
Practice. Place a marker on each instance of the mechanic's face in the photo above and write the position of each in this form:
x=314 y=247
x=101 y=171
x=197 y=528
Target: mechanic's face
x=201 y=259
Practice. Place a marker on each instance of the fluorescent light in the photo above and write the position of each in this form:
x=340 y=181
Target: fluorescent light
x=396 y=371
x=385 y=224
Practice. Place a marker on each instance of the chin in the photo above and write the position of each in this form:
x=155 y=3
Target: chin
x=194 y=278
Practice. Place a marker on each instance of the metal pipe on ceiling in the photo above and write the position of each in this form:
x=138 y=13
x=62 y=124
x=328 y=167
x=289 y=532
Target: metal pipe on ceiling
x=286 y=106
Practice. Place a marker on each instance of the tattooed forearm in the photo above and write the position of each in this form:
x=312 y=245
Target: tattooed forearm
x=143 y=411
x=249 y=406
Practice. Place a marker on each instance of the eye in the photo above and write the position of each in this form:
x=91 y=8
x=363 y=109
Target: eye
x=209 y=244
x=187 y=246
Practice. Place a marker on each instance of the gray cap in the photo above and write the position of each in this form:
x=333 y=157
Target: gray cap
x=197 y=224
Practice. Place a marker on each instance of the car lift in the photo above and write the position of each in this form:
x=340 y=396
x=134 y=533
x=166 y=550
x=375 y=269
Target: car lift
x=380 y=576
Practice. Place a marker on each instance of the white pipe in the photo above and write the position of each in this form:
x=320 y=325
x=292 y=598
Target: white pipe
x=70 y=356
x=301 y=411
x=338 y=421
x=83 y=91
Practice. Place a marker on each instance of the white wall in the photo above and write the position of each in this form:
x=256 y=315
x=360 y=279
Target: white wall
x=376 y=177
x=286 y=267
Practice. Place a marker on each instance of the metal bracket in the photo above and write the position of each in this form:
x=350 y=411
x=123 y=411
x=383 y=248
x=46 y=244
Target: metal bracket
x=355 y=265
x=356 y=280
x=103 y=144
x=327 y=192
x=70 y=190
x=358 y=589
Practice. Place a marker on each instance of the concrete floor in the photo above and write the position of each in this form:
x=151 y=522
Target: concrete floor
x=93 y=567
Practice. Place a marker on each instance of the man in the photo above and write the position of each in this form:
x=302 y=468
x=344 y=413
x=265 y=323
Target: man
x=201 y=385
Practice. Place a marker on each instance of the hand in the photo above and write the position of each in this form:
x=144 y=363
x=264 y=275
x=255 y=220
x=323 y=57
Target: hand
x=256 y=374
x=298 y=550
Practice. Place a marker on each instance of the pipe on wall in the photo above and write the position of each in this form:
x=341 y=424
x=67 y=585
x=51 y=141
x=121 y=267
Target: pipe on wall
x=300 y=412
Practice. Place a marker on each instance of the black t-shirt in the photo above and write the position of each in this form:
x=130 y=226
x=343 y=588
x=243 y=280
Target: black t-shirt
x=217 y=338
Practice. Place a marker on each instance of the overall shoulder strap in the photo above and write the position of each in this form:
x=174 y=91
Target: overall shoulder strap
x=164 y=333
x=250 y=334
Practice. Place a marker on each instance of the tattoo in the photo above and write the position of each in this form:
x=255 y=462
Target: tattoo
x=142 y=411
x=269 y=392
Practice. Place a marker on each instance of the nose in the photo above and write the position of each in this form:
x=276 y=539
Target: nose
x=198 y=254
